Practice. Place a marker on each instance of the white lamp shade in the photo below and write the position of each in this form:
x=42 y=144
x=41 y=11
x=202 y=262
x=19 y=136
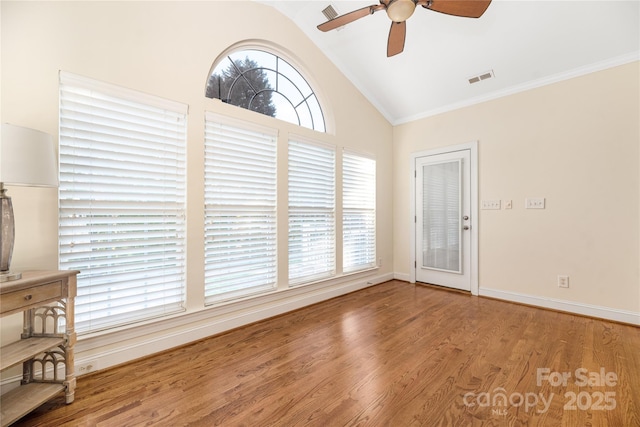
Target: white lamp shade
x=27 y=157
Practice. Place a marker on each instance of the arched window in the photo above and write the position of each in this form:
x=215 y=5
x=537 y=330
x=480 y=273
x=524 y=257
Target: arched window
x=264 y=82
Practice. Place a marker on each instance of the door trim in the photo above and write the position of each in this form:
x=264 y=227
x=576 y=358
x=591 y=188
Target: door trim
x=473 y=148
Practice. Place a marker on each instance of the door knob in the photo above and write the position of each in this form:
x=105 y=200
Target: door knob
x=466 y=227
x=466 y=217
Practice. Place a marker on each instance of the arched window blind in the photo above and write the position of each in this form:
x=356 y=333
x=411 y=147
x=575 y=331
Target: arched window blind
x=122 y=202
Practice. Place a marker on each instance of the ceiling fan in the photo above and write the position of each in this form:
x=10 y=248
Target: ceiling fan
x=400 y=10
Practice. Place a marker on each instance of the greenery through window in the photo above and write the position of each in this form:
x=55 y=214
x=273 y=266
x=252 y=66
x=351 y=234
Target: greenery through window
x=263 y=82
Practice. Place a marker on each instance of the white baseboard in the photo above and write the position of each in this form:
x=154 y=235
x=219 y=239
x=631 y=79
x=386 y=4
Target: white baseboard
x=607 y=313
x=402 y=276
x=108 y=350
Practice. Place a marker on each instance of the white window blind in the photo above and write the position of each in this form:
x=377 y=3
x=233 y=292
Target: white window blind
x=358 y=212
x=122 y=202
x=442 y=228
x=240 y=209
x=311 y=212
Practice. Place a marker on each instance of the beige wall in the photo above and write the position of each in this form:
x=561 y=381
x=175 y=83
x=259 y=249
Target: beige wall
x=167 y=49
x=576 y=143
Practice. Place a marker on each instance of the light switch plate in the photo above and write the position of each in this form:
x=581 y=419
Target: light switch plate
x=491 y=204
x=534 y=203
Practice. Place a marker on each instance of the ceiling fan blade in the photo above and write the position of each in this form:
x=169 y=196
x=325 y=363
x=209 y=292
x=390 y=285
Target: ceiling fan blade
x=341 y=20
x=465 y=8
x=397 y=34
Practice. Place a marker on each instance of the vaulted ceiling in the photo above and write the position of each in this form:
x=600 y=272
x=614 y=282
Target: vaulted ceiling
x=524 y=44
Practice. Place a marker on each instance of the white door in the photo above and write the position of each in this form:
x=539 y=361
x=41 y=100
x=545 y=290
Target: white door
x=443 y=219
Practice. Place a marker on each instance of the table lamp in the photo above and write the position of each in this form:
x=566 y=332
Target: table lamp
x=27 y=158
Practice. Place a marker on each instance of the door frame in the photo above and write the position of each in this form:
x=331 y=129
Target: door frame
x=473 y=148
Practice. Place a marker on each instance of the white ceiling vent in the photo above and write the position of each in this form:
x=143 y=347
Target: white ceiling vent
x=329 y=12
x=482 y=76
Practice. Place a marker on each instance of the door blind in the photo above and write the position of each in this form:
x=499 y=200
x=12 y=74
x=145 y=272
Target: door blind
x=240 y=209
x=442 y=227
x=122 y=202
x=311 y=212
x=358 y=212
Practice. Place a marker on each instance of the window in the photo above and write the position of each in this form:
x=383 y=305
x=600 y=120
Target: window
x=122 y=202
x=311 y=212
x=358 y=212
x=263 y=82
x=240 y=209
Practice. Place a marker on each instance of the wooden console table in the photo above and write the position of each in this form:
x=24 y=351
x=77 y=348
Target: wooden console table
x=46 y=299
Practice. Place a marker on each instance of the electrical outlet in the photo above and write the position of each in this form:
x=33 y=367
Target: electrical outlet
x=534 y=203
x=86 y=367
x=380 y=262
x=563 y=281
x=491 y=204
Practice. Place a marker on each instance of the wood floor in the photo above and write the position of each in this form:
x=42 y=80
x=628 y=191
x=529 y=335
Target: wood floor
x=394 y=354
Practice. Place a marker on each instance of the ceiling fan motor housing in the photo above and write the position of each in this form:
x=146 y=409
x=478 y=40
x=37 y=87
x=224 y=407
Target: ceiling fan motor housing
x=400 y=10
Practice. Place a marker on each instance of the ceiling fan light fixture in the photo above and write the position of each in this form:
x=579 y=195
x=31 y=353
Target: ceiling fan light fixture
x=400 y=10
